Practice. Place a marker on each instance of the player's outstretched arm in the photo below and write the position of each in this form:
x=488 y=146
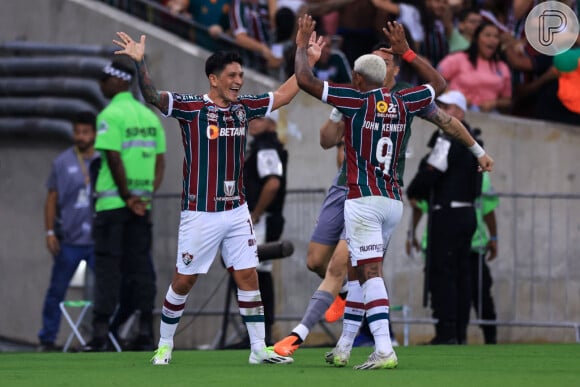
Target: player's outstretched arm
x=136 y=51
x=306 y=79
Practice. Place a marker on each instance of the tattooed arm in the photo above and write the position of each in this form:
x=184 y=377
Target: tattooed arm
x=136 y=51
x=454 y=128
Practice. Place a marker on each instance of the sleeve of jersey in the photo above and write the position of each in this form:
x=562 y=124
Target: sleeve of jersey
x=108 y=133
x=343 y=97
x=269 y=163
x=183 y=106
x=417 y=98
x=257 y=105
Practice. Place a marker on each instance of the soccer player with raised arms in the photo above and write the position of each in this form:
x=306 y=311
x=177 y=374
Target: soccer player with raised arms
x=214 y=210
x=375 y=138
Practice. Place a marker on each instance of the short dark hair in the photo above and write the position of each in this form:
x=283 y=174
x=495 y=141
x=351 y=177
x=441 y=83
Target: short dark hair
x=465 y=12
x=85 y=117
x=219 y=60
x=385 y=44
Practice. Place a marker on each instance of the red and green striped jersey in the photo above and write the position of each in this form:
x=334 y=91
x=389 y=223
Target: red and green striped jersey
x=377 y=130
x=214 y=140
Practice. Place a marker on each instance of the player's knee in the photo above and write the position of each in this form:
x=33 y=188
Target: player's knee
x=315 y=264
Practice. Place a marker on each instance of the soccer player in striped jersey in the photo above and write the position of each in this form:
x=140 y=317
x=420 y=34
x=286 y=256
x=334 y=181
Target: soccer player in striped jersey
x=328 y=251
x=214 y=210
x=376 y=135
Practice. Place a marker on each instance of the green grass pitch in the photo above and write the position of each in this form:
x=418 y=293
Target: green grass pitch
x=514 y=365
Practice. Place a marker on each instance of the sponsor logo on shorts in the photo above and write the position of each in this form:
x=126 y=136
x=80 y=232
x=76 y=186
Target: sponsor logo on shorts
x=186 y=257
x=251 y=242
x=378 y=248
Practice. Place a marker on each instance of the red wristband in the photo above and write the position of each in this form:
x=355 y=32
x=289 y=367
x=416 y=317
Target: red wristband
x=409 y=55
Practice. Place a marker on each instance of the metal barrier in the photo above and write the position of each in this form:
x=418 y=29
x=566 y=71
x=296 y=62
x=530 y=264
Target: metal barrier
x=536 y=274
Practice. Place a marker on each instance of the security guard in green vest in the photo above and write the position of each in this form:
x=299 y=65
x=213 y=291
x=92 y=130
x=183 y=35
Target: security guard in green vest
x=131 y=141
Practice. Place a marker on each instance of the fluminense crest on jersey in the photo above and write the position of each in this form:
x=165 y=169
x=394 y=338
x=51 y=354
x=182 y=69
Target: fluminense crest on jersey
x=240 y=113
x=186 y=257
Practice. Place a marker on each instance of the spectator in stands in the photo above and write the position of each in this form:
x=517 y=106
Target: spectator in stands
x=436 y=17
x=250 y=26
x=406 y=14
x=333 y=65
x=357 y=25
x=558 y=94
x=479 y=73
x=178 y=7
x=214 y=15
x=461 y=35
x=68 y=217
x=525 y=79
x=534 y=83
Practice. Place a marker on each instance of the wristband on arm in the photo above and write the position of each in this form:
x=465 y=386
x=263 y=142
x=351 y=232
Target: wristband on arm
x=477 y=150
x=409 y=55
x=335 y=116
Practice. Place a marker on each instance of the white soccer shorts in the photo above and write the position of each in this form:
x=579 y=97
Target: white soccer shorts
x=201 y=234
x=370 y=222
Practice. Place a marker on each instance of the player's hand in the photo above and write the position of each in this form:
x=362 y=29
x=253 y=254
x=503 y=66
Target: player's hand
x=53 y=244
x=134 y=50
x=315 y=46
x=485 y=163
x=395 y=33
x=305 y=29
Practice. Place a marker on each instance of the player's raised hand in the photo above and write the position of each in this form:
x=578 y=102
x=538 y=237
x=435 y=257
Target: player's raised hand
x=131 y=48
x=315 y=46
x=305 y=29
x=395 y=33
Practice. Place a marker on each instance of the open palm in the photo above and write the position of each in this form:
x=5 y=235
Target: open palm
x=134 y=50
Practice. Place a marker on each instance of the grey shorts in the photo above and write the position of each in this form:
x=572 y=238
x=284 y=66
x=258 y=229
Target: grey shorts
x=330 y=224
